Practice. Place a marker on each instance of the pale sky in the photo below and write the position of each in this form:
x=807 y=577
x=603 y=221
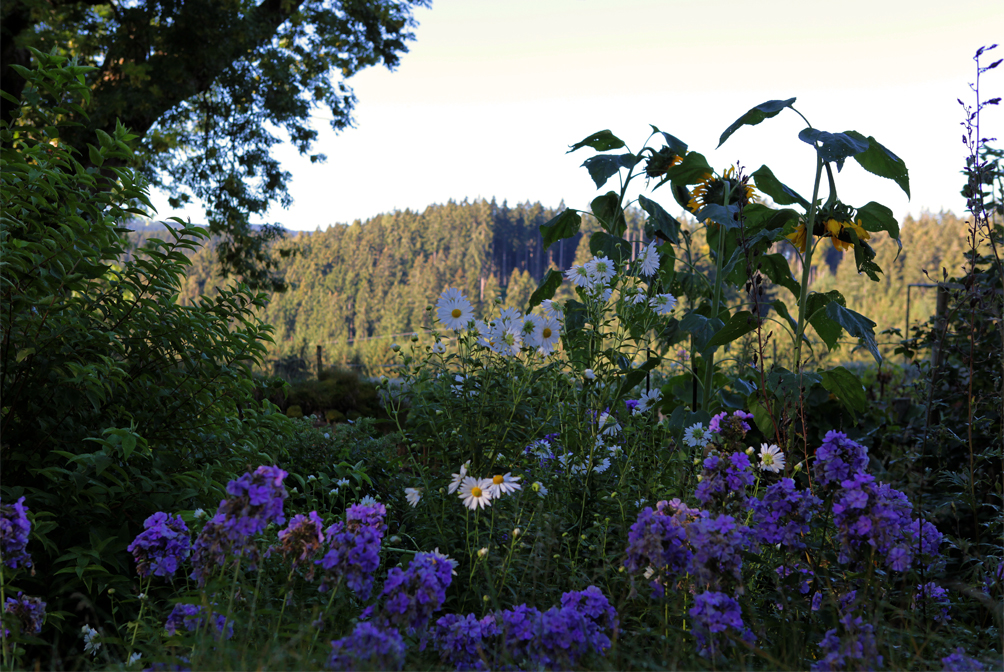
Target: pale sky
x=493 y=92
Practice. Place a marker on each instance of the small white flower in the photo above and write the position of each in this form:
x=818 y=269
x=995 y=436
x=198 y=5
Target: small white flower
x=550 y=333
x=515 y=533
x=199 y=514
x=589 y=375
x=532 y=328
x=602 y=465
x=458 y=478
x=539 y=488
x=476 y=492
x=326 y=435
x=694 y=436
x=647 y=401
x=649 y=260
x=453 y=310
x=368 y=500
x=504 y=484
x=663 y=304
x=649 y=572
x=771 y=458
x=439 y=347
x=551 y=309
x=601 y=269
x=136 y=655
x=342 y=482
x=506 y=338
x=333 y=492
x=413 y=495
x=640 y=502
x=579 y=276
x=311 y=478
x=483 y=552
x=608 y=425
x=90 y=635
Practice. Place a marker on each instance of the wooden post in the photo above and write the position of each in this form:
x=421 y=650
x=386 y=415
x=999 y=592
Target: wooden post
x=319 y=366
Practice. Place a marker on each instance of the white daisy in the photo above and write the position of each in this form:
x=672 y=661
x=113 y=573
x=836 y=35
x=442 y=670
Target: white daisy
x=608 y=425
x=439 y=347
x=550 y=333
x=601 y=269
x=694 y=435
x=484 y=334
x=476 y=492
x=579 y=276
x=442 y=557
x=602 y=465
x=458 y=478
x=589 y=375
x=342 y=482
x=539 y=488
x=506 y=339
x=90 y=635
x=504 y=484
x=649 y=260
x=551 y=308
x=532 y=327
x=136 y=655
x=771 y=458
x=368 y=500
x=413 y=495
x=663 y=304
x=635 y=295
x=453 y=310
x=647 y=401
x=510 y=317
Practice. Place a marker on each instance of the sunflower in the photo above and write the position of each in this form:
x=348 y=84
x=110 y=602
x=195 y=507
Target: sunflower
x=712 y=189
x=798 y=238
x=662 y=161
x=835 y=230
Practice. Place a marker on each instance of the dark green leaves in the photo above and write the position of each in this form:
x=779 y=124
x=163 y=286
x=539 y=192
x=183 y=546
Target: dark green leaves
x=833 y=147
x=607 y=210
x=876 y=217
x=660 y=223
x=564 y=225
x=775 y=267
x=691 y=170
x=738 y=326
x=765 y=181
x=602 y=244
x=857 y=325
x=546 y=289
x=755 y=116
x=603 y=167
x=601 y=141
x=675 y=145
x=847 y=388
x=880 y=161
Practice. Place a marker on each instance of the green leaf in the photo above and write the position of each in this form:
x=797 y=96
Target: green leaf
x=738 y=326
x=703 y=328
x=857 y=325
x=660 y=223
x=775 y=266
x=755 y=116
x=564 y=225
x=782 y=310
x=760 y=415
x=635 y=376
x=876 y=217
x=726 y=215
x=23 y=354
x=816 y=305
x=607 y=210
x=834 y=147
x=601 y=141
x=675 y=145
x=95 y=155
x=602 y=244
x=880 y=161
x=602 y=168
x=765 y=181
x=691 y=170
x=847 y=387
x=548 y=286
x=575 y=316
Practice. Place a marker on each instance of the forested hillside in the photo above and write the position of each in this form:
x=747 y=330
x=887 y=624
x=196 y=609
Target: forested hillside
x=355 y=289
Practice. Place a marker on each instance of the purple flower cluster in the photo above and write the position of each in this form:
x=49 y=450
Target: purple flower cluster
x=717 y=543
x=856 y=642
x=461 y=640
x=411 y=596
x=724 y=481
x=256 y=500
x=714 y=613
x=162 y=546
x=658 y=541
x=369 y=647
x=354 y=554
x=29 y=611
x=371 y=515
x=192 y=617
x=783 y=516
x=925 y=540
x=960 y=662
x=934 y=599
x=14 y=531
x=734 y=427
x=301 y=540
x=838 y=459
x=873 y=517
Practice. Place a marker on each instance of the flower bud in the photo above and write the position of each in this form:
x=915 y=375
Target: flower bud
x=486 y=599
x=749 y=451
x=483 y=552
x=697 y=461
x=395 y=347
x=515 y=533
x=798 y=467
x=700 y=477
x=414 y=338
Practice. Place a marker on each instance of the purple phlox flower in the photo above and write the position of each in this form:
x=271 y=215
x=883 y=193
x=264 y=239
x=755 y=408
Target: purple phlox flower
x=301 y=540
x=855 y=641
x=567 y=632
x=925 y=540
x=933 y=599
x=872 y=517
x=192 y=617
x=960 y=662
x=520 y=628
x=465 y=641
x=29 y=612
x=256 y=500
x=715 y=426
x=658 y=541
x=631 y=404
x=838 y=459
x=354 y=554
x=724 y=481
x=714 y=613
x=803 y=575
x=14 y=530
x=783 y=516
x=717 y=543
x=371 y=514
x=162 y=546
x=732 y=427
x=369 y=647
x=411 y=596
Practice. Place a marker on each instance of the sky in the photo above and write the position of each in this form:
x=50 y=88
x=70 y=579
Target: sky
x=492 y=94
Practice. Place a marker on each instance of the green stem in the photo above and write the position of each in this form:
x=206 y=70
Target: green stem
x=709 y=361
x=233 y=592
x=317 y=632
x=139 y=618
x=803 y=300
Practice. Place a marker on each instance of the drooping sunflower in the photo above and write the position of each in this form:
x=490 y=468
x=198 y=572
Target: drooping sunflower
x=712 y=189
x=662 y=161
x=842 y=241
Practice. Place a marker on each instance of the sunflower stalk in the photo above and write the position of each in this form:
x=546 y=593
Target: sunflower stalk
x=709 y=360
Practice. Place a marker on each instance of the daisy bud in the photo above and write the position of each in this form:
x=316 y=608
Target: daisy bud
x=700 y=477
x=395 y=347
x=483 y=552
x=486 y=599
x=798 y=467
x=589 y=375
x=111 y=591
x=414 y=339
x=749 y=451
x=515 y=533
x=395 y=539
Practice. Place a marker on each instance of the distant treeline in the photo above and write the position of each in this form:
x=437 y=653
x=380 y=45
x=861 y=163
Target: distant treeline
x=356 y=289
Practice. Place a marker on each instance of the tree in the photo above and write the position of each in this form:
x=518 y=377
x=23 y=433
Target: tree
x=210 y=86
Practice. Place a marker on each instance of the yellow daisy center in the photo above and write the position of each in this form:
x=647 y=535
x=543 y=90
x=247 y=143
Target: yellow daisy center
x=456 y=313
x=475 y=491
x=768 y=458
x=497 y=480
x=546 y=333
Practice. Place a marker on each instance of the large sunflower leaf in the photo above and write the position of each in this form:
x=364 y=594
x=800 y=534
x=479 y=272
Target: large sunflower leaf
x=834 y=147
x=857 y=325
x=607 y=210
x=880 y=161
x=601 y=168
x=601 y=141
x=564 y=225
x=765 y=181
x=755 y=116
x=547 y=288
x=660 y=223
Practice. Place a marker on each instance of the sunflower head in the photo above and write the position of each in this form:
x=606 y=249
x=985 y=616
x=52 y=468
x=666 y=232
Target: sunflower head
x=662 y=161
x=712 y=189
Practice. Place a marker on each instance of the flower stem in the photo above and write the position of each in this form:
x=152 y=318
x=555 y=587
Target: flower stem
x=803 y=300
x=709 y=360
x=320 y=618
